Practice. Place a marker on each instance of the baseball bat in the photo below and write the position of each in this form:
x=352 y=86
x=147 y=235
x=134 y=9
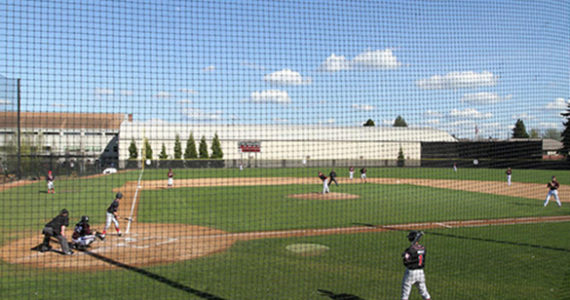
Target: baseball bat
x=418 y=237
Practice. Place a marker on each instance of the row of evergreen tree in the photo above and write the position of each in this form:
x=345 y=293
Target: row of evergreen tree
x=189 y=153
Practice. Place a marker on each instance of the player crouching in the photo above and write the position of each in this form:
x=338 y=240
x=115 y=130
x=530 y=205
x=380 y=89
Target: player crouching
x=82 y=235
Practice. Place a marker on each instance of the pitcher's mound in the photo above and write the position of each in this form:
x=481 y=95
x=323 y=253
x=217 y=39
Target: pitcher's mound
x=327 y=196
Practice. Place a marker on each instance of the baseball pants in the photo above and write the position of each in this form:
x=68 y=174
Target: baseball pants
x=555 y=194
x=170 y=181
x=508 y=179
x=325 y=187
x=50 y=185
x=111 y=218
x=84 y=240
x=48 y=232
x=350 y=175
x=417 y=278
x=333 y=180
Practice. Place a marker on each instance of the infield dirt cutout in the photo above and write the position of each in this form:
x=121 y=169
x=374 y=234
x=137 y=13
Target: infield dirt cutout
x=152 y=244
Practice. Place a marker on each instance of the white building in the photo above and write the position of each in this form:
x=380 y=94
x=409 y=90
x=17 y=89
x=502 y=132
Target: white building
x=286 y=142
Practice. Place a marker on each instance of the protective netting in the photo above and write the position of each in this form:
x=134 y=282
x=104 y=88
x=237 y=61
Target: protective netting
x=284 y=149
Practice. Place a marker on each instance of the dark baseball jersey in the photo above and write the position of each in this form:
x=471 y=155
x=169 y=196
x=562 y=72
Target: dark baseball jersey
x=81 y=229
x=57 y=222
x=113 y=207
x=509 y=172
x=363 y=171
x=170 y=174
x=322 y=177
x=553 y=185
x=332 y=174
x=50 y=177
x=351 y=169
x=414 y=257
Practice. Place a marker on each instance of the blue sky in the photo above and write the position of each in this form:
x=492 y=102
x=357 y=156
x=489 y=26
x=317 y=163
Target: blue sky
x=451 y=65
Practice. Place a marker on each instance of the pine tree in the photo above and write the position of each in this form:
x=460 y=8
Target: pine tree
x=190 y=151
x=147 y=149
x=400 y=122
x=217 y=147
x=133 y=151
x=401 y=158
x=369 y=123
x=177 y=148
x=163 y=154
x=519 y=132
x=203 y=148
x=566 y=133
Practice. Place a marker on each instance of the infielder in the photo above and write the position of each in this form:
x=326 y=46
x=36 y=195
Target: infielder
x=553 y=185
x=82 y=235
x=325 y=183
x=414 y=259
x=454 y=167
x=50 y=186
x=56 y=228
x=351 y=173
x=363 y=174
x=509 y=173
x=112 y=216
x=170 y=178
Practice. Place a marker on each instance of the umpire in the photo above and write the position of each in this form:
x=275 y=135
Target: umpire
x=56 y=228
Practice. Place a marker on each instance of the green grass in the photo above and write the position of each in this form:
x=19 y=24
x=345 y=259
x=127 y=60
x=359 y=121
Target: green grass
x=268 y=207
x=507 y=264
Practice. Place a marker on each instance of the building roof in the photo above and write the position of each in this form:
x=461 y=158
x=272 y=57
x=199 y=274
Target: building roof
x=168 y=131
x=51 y=120
x=551 y=145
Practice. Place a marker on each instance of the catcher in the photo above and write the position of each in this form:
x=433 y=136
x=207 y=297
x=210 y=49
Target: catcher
x=82 y=235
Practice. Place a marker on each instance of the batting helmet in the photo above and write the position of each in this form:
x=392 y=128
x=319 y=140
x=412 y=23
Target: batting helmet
x=64 y=212
x=412 y=235
x=84 y=219
x=119 y=195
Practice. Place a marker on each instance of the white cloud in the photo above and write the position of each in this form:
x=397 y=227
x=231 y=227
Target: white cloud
x=378 y=59
x=549 y=125
x=280 y=120
x=203 y=115
x=433 y=113
x=365 y=107
x=270 y=96
x=126 y=93
x=455 y=80
x=286 y=77
x=484 y=98
x=432 y=121
x=209 y=68
x=523 y=116
x=189 y=91
x=372 y=59
x=388 y=122
x=470 y=113
x=557 y=104
x=57 y=104
x=185 y=101
x=163 y=94
x=5 y=102
x=327 y=122
x=335 y=63
x=103 y=91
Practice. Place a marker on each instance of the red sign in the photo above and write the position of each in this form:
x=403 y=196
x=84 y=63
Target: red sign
x=249 y=146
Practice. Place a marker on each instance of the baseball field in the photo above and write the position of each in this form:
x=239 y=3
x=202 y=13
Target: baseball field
x=269 y=234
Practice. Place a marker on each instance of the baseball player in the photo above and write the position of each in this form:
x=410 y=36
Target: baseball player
x=363 y=174
x=50 y=186
x=325 y=183
x=553 y=186
x=82 y=235
x=170 y=178
x=112 y=216
x=509 y=173
x=56 y=228
x=351 y=172
x=332 y=175
x=454 y=167
x=414 y=259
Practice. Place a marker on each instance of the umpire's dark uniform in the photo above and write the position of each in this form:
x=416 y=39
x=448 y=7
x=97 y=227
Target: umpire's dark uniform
x=53 y=228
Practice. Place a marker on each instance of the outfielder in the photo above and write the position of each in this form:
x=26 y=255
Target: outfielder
x=112 y=216
x=325 y=183
x=82 y=235
x=351 y=173
x=553 y=185
x=509 y=173
x=50 y=186
x=363 y=174
x=170 y=178
x=414 y=259
x=56 y=228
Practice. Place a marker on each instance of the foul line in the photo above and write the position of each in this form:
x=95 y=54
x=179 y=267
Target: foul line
x=134 y=201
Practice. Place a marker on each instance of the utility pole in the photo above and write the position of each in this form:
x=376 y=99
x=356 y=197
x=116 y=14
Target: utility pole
x=19 y=171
